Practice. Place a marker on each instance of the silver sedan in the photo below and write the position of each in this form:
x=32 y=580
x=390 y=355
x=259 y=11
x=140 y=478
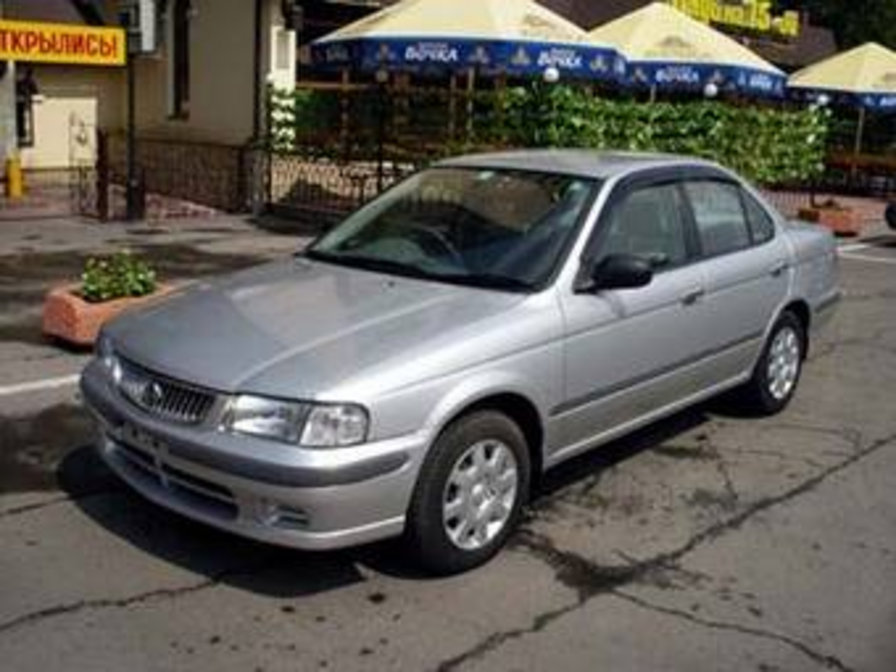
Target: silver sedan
x=418 y=368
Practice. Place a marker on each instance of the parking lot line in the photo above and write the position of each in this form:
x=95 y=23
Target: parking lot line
x=853 y=247
x=38 y=385
x=866 y=257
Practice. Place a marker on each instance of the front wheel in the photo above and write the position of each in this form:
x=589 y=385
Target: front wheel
x=778 y=371
x=469 y=494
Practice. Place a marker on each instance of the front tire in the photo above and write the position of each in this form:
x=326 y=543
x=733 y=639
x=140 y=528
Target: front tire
x=470 y=493
x=778 y=371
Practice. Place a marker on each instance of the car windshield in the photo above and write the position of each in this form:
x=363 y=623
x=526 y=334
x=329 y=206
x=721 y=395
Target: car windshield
x=496 y=228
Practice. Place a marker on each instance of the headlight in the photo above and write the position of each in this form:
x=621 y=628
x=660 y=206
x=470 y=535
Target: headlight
x=336 y=425
x=105 y=353
x=307 y=424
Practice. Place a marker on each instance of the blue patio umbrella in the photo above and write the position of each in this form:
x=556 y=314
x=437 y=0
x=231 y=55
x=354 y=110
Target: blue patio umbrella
x=491 y=37
x=863 y=77
x=667 y=50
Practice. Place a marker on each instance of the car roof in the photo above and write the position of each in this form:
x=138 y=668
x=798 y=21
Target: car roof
x=578 y=162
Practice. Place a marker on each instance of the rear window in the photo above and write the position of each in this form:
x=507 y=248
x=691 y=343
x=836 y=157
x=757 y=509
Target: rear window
x=761 y=223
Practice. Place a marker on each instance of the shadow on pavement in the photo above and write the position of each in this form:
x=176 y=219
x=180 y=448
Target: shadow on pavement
x=281 y=572
x=34 y=447
x=592 y=463
x=221 y=557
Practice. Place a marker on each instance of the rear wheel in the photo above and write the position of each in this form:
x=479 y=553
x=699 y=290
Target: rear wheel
x=777 y=373
x=469 y=494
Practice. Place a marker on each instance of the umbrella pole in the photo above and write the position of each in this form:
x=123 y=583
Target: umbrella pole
x=471 y=87
x=857 y=149
x=500 y=86
x=344 y=109
x=452 y=106
x=652 y=94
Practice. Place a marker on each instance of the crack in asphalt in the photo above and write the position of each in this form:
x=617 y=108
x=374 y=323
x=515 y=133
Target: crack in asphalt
x=36 y=506
x=731 y=497
x=861 y=297
x=39 y=506
x=827 y=660
x=833 y=347
x=853 y=437
x=149 y=596
x=497 y=639
x=591 y=580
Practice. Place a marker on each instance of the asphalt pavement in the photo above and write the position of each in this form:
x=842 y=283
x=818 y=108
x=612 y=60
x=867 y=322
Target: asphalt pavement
x=710 y=541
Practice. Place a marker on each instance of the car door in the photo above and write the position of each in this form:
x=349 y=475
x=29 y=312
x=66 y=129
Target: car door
x=747 y=270
x=628 y=352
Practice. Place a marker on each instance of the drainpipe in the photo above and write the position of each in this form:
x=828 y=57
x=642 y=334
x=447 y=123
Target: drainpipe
x=8 y=136
x=254 y=172
x=258 y=100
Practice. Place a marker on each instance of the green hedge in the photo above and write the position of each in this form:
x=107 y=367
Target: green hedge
x=768 y=145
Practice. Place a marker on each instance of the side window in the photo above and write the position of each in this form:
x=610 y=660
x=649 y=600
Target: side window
x=648 y=222
x=761 y=223
x=719 y=214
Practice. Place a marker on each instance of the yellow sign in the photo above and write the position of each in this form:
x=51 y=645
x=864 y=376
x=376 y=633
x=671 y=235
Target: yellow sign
x=755 y=15
x=61 y=43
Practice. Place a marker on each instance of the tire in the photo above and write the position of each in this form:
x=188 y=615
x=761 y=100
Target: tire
x=768 y=391
x=890 y=215
x=485 y=449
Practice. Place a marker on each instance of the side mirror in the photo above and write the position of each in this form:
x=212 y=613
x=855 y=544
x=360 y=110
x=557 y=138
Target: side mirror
x=620 y=271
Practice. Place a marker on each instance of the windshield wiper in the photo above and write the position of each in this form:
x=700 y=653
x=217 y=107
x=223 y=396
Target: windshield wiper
x=368 y=263
x=485 y=280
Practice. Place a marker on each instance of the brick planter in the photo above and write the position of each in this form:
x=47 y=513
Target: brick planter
x=842 y=221
x=72 y=319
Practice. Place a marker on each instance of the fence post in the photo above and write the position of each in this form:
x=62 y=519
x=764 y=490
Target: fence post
x=102 y=175
x=471 y=92
x=380 y=136
x=344 y=112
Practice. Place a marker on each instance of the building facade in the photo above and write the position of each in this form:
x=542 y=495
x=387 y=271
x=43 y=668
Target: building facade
x=200 y=92
x=57 y=108
x=201 y=89
x=789 y=40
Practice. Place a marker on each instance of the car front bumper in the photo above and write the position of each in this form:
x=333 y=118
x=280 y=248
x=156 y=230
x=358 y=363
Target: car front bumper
x=307 y=499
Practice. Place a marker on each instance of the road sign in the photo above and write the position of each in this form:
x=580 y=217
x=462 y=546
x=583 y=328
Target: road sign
x=139 y=18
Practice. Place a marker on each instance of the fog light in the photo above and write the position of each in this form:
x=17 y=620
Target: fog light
x=272 y=514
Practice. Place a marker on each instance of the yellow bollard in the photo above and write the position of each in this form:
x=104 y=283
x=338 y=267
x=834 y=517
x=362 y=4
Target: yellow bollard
x=15 y=183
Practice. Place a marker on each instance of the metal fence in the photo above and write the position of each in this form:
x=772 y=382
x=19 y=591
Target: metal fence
x=332 y=148
x=178 y=178
x=212 y=174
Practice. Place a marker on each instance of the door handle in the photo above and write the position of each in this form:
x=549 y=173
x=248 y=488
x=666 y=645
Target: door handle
x=778 y=269
x=691 y=297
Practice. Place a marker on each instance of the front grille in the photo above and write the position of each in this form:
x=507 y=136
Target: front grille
x=163 y=397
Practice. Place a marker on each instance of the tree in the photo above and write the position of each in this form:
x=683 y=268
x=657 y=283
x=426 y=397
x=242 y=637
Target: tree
x=854 y=22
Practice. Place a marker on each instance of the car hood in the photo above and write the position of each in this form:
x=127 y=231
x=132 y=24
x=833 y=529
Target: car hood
x=300 y=328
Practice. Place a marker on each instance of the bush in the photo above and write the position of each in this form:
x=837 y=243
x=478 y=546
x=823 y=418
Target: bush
x=772 y=145
x=768 y=145
x=296 y=115
x=115 y=277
